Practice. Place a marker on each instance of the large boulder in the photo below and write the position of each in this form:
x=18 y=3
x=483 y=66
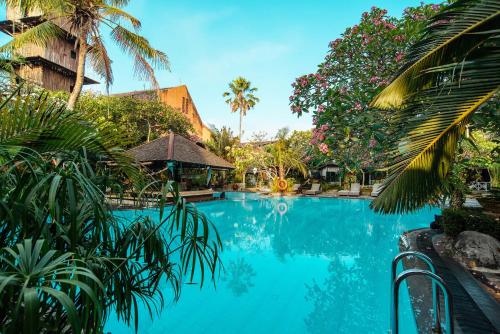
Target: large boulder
x=478 y=249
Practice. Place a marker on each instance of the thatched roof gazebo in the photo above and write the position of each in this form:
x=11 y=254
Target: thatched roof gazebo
x=178 y=156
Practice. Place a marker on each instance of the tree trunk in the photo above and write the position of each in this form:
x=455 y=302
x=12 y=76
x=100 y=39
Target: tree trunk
x=80 y=72
x=457 y=199
x=241 y=124
x=149 y=132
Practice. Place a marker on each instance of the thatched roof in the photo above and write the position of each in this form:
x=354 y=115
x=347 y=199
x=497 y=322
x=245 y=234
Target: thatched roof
x=174 y=147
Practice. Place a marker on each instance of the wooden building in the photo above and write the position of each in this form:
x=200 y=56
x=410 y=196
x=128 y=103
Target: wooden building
x=52 y=67
x=183 y=160
x=179 y=99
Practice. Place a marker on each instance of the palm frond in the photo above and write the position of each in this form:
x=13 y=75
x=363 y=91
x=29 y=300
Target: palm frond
x=451 y=34
x=434 y=118
x=100 y=60
x=39 y=35
x=115 y=14
x=146 y=58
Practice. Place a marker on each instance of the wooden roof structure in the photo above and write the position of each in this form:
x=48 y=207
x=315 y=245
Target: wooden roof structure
x=174 y=147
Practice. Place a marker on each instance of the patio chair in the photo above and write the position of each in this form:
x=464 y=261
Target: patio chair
x=315 y=189
x=377 y=188
x=354 y=191
x=296 y=188
x=264 y=191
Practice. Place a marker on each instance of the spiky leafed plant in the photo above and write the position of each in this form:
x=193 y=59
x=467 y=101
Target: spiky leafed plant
x=449 y=74
x=240 y=97
x=56 y=168
x=87 y=21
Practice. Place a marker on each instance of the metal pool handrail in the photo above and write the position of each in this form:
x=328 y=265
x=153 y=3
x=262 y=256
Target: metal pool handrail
x=435 y=297
x=447 y=296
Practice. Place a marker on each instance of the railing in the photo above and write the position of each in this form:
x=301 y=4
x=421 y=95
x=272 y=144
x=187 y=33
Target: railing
x=436 y=282
x=479 y=186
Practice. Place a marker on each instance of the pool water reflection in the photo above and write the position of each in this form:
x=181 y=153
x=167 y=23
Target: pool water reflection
x=293 y=265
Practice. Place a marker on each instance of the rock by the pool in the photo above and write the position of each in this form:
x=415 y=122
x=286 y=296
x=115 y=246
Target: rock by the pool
x=478 y=248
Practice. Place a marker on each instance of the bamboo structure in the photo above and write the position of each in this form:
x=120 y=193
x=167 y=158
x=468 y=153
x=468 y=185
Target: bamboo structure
x=52 y=66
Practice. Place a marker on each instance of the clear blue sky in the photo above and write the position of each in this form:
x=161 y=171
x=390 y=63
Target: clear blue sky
x=270 y=42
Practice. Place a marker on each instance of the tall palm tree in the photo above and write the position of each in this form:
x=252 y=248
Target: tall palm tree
x=241 y=97
x=451 y=72
x=86 y=20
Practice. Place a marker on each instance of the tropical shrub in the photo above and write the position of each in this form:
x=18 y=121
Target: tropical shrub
x=67 y=261
x=221 y=142
x=356 y=68
x=456 y=221
x=138 y=120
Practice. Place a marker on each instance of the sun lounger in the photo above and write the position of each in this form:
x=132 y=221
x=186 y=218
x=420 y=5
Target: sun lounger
x=377 y=188
x=355 y=190
x=296 y=188
x=315 y=189
x=265 y=191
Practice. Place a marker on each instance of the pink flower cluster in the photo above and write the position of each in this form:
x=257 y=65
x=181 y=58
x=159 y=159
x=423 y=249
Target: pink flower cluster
x=318 y=134
x=333 y=44
x=323 y=148
x=399 y=56
x=321 y=108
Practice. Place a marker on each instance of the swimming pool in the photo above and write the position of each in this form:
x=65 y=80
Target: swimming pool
x=293 y=265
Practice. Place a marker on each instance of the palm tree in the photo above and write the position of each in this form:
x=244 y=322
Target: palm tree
x=86 y=20
x=66 y=262
x=221 y=141
x=281 y=157
x=450 y=73
x=241 y=97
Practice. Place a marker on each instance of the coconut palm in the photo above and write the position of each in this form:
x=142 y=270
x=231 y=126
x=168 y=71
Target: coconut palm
x=450 y=73
x=280 y=157
x=86 y=20
x=56 y=169
x=240 y=97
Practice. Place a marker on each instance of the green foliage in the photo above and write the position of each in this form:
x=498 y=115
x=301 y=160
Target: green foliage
x=356 y=68
x=243 y=157
x=448 y=75
x=221 y=142
x=138 y=120
x=56 y=168
x=456 y=221
x=282 y=156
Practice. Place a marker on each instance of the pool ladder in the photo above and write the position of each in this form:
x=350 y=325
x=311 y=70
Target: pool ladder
x=436 y=282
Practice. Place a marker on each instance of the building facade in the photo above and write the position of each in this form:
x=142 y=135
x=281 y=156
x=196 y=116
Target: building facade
x=180 y=99
x=52 y=66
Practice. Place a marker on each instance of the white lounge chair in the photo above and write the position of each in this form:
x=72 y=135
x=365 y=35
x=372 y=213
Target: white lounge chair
x=264 y=191
x=377 y=188
x=315 y=189
x=355 y=190
x=296 y=188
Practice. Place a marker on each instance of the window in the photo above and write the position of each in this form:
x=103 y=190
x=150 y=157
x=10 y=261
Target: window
x=73 y=54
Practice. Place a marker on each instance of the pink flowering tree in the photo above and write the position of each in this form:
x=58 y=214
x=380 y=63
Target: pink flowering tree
x=357 y=66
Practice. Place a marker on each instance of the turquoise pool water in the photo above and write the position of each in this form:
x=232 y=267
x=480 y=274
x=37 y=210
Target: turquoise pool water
x=293 y=265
